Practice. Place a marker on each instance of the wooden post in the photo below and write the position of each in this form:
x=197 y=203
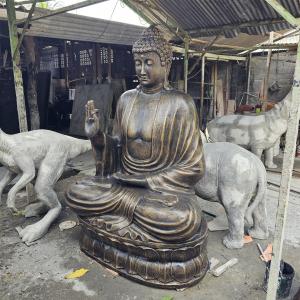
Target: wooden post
x=202 y=92
x=32 y=69
x=227 y=92
x=186 y=64
x=249 y=75
x=265 y=82
x=286 y=176
x=19 y=90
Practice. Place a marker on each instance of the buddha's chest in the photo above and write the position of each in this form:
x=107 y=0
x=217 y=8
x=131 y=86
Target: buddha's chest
x=141 y=120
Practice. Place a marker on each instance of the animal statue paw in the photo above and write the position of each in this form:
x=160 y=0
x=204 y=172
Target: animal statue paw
x=258 y=233
x=232 y=244
x=35 y=209
x=271 y=165
x=11 y=205
x=33 y=232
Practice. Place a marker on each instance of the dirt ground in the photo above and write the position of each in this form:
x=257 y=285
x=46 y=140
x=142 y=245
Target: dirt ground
x=37 y=272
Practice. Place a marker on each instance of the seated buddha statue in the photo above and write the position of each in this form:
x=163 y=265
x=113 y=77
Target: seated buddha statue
x=139 y=214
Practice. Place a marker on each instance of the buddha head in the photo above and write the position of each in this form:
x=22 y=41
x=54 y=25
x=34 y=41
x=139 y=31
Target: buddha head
x=152 y=57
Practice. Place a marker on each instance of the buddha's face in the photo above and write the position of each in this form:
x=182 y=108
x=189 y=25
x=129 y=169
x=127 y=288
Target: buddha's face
x=149 y=70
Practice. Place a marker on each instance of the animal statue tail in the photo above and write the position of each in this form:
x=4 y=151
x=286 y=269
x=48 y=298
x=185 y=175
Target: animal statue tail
x=260 y=193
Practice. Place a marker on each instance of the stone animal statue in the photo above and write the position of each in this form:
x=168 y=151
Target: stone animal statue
x=236 y=178
x=256 y=133
x=40 y=152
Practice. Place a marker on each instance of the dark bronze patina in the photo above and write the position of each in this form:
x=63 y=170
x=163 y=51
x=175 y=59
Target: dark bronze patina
x=139 y=214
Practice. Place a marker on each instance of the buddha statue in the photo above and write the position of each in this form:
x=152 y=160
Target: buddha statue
x=139 y=215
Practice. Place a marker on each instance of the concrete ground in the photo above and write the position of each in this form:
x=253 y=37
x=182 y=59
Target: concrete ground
x=37 y=272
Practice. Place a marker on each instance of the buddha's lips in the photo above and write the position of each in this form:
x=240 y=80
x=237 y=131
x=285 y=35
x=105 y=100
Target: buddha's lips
x=143 y=78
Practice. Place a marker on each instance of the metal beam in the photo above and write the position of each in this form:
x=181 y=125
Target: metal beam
x=285 y=183
x=64 y=9
x=223 y=28
x=18 y=80
x=273 y=46
x=209 y=56
x=284 y=13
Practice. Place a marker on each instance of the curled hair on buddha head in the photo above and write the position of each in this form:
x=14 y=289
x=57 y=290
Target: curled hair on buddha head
x=153 y=41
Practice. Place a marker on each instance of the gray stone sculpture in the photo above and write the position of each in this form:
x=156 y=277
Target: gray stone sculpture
x=236 y=178
x=256 y=133
x=47 y=152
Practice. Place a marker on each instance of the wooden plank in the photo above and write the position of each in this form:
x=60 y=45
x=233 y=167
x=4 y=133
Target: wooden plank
x=202 y=92
x=220 y=110
x=249 y=74
x=186 y=63
x=267 y=74
x=284 y=12
x=208 y=55
x=285 y=183
x=18 y=80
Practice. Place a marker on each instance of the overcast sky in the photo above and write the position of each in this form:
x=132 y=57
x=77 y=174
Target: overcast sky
x=114 y=10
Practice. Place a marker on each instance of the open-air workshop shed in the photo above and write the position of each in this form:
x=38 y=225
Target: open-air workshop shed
x=214 y=44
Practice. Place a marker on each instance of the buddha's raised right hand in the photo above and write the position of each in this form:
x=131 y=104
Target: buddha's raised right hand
x=91 y=119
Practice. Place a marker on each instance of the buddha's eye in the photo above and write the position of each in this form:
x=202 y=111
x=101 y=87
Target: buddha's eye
x=137 y=63
x=149 y=62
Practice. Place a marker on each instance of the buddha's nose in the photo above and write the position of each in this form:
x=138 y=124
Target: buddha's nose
x=143 y=70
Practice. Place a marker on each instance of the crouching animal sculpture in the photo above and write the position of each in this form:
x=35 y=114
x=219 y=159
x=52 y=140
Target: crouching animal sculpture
x=256 y=133
x=237 y=179
x=47 y=152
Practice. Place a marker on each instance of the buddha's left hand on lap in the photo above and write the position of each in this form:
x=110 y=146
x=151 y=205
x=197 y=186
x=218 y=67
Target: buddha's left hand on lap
x=135 y=180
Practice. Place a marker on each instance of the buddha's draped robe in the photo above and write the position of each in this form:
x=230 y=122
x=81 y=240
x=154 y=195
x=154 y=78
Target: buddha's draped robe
x=166 y=211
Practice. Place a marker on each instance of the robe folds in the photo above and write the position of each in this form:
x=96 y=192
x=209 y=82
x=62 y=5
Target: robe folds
x=168 y=209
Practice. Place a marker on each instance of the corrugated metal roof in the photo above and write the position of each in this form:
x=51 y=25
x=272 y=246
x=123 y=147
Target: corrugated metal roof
x=81 y=28
x=192 y=15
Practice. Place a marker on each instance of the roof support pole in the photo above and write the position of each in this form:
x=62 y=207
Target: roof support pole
x=186 y=63
x=13 y=37
x=265 y=83
x=286 y=176
x=288 y=162
x=25 y=27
